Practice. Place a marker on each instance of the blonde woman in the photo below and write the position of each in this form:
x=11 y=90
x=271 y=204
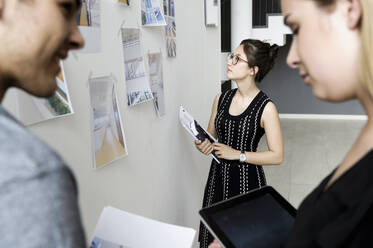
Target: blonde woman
x=333 y=50
x=339 y=212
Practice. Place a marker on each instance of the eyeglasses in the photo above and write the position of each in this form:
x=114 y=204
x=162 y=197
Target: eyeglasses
x=235 y=58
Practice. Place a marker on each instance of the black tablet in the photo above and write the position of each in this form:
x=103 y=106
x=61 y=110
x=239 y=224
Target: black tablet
x=259 y=218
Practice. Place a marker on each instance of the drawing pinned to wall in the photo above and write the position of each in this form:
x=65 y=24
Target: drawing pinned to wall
x=156 y=82
x=170 y=29
x=211 y=13
x=32 y=110
x=137 y=84
x=127 y=2
x=89 y=21
x=151 y=13
x=108 y=140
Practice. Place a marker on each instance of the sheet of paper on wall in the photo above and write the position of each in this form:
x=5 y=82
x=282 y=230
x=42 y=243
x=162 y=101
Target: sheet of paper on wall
x=119 y=229
x=89 y=21
x=151 y=13
x=137 y=83
x=198 y=132
x=32 y=109
x=211 y=13
x=170 y=29
x=107 y=135
x=156 y=82
x=127 y=2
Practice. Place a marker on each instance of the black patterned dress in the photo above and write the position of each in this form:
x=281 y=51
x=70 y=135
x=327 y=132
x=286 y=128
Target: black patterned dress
x=230 y=177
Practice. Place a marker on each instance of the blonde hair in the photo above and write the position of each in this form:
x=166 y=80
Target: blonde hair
x=366 y=60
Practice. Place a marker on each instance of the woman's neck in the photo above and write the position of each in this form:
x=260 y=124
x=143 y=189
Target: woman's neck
x=366 y=100
x=247 y=89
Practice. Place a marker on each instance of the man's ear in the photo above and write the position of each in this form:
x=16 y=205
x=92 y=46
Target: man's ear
x=354 y=13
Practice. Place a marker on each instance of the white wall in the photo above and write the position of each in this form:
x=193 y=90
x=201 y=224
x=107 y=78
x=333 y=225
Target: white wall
x=241 y=25
x=163 y=177
x=275 y=33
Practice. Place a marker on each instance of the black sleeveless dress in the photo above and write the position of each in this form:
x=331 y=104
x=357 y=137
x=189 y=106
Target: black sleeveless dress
x=230 y=177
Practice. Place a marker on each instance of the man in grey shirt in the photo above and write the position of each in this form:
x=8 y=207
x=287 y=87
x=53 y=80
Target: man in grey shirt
x=38 y=193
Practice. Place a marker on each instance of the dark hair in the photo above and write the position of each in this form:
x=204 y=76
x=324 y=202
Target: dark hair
x=260 y=54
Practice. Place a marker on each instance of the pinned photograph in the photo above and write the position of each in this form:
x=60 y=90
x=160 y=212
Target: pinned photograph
x=137 y=83
x=108 y=140
x=151 y=13
x=32 y=109
x=156 y=82
x=89 y=21
x=170 y=28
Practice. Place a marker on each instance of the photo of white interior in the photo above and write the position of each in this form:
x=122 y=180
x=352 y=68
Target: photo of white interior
x=107 y=132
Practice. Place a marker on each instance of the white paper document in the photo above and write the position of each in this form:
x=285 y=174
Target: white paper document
x=192 y=126
x=120 y=229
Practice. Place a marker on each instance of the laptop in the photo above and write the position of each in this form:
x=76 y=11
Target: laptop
x=260 y=218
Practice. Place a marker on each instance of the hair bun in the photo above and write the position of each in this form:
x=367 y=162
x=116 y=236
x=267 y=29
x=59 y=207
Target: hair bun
x=273 y=51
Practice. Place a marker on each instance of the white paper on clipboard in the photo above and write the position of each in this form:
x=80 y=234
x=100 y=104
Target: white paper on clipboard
x=198 y=132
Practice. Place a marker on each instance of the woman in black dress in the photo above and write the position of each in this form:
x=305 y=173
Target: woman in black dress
x=238 y=120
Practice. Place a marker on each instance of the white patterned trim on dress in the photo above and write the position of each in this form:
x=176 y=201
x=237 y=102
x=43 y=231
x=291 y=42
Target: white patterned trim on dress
x=229 y=133
x=212 y=185
x=209 y=199
x=256 y=121
x=224 y=103
x=226 y=181
x=225 y=130
x=232 y=133
x=247 y=134
x=243 y=178
x=205 y=237
x=220 y=113
x=223 y=99
x=244 y=131
x=224 y=178
x=241 y=175
x=252 y=140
